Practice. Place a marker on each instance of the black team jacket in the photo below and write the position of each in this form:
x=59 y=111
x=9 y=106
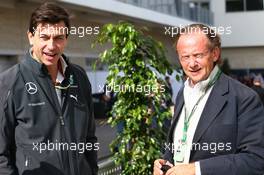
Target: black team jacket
x=38 y=136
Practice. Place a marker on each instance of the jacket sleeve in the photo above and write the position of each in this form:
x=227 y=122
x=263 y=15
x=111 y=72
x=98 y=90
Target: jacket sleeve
x=249 y=157
x=91 y=138
x=7 y=127
x=91 y=155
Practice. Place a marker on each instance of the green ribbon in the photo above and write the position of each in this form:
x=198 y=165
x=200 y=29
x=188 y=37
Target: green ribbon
x=188 y=118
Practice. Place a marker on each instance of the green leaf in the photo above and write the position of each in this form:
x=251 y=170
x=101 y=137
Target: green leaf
x=134 y=60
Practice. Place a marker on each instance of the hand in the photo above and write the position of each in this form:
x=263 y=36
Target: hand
x=158 y=164
x=182 y=169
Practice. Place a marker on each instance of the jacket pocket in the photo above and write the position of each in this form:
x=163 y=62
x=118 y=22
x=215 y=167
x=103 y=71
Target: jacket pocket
x=32 y=162
x=26 y=163
x=83 y=165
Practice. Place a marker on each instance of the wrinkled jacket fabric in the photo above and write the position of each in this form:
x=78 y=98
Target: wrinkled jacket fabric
x=31 y=118
x=233 y=115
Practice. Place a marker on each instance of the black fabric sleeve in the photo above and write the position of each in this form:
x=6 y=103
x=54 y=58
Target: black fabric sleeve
x=91 y=138
x=7 y=125
x=91 y=155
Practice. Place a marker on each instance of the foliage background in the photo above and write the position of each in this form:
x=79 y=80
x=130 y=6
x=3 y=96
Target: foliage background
x=135 y=60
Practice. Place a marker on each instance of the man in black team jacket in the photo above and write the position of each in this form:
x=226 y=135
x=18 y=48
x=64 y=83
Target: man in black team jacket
x=46 y=113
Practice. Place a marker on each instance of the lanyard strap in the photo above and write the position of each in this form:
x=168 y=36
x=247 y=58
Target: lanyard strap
x=188 y=118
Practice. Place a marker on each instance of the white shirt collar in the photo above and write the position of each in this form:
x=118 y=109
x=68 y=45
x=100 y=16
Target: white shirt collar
x=60 y=76
x=201 y=86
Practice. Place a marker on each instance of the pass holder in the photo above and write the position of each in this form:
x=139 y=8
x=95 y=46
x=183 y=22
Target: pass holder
x=180 y=152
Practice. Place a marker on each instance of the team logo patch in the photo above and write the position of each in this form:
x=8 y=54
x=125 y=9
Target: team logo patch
x=31 y=88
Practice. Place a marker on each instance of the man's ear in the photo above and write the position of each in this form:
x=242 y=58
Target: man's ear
x=216 y=54
x=30 y=37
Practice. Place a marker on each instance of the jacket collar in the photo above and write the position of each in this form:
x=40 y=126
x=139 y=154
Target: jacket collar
x=43 y=79
x=39 y=68
x=213 y=106
x=202 y=85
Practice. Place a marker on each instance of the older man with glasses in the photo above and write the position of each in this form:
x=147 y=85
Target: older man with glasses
x=218 y=124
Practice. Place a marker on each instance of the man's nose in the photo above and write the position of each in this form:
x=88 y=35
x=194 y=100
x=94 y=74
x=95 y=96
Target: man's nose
x=192 y=62
x=51 y=44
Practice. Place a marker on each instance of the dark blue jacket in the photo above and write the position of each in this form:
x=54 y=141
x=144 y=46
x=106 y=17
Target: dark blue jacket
x=232 y=120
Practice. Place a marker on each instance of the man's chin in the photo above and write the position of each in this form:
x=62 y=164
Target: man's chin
x=195 y=80
x=50 y=63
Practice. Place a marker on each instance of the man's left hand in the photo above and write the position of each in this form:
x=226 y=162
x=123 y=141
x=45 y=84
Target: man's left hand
x=182 y=169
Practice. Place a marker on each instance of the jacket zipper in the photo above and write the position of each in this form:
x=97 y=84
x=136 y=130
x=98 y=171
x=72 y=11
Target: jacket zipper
x=64 y=139
x=62 y=121
x=26 y=162
x=68 y=156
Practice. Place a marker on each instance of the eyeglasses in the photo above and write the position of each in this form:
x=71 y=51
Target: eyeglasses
x=196 y=57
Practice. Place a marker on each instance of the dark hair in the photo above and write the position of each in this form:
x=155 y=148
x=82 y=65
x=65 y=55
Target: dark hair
x=48 y=13
x=213 y=37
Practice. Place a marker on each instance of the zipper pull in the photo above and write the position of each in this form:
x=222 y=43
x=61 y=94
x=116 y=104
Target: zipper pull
x=62 y=121
x=26 y=162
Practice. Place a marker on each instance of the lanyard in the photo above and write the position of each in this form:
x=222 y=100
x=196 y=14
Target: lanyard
x=188 y=118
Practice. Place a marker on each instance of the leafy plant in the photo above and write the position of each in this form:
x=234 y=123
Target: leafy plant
x=135 y=62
